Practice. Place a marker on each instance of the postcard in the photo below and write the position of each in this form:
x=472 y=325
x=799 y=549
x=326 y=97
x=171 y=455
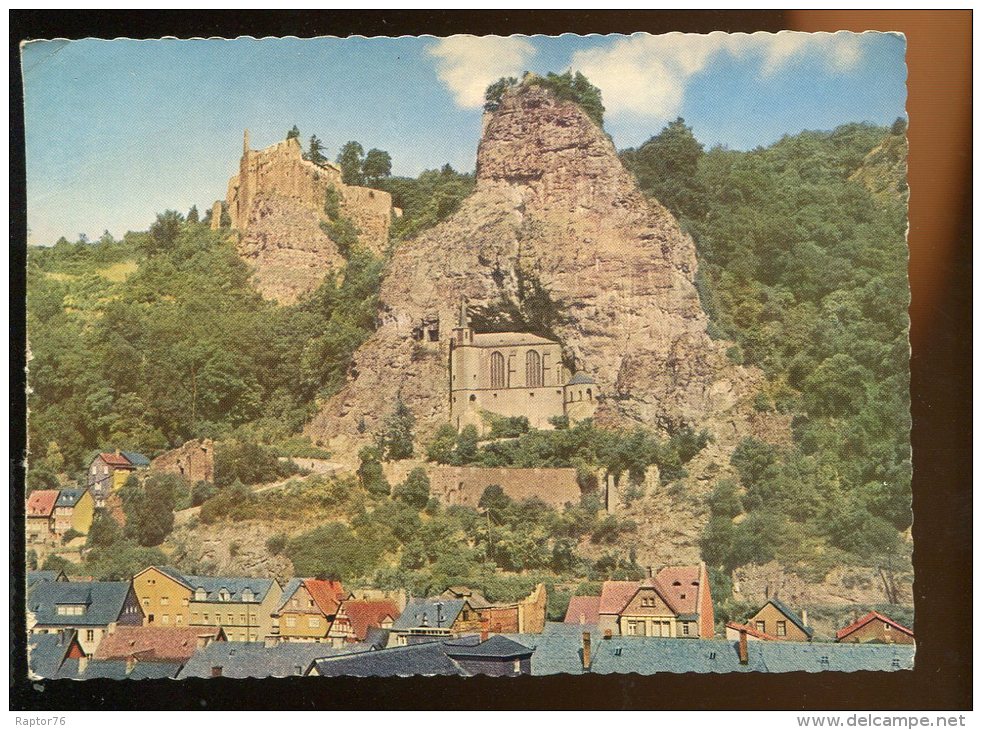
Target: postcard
x=462 y=356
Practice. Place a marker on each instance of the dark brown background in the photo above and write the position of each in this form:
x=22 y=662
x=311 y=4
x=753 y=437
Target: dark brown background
x=939 y=54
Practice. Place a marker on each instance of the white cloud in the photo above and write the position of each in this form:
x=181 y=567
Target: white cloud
x=468 y=64
x=647 y=75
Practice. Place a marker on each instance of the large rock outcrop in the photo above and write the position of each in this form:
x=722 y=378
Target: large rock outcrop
x=276 y=203
x=552 y=201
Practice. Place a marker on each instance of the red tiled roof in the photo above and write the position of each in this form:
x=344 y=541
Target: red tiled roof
x=682 y=597
x=871 y=616
x=585 y=607
x=363 y=615
x=155 y=643
x=42 y=502
x=115 y=459
x=751 y=631
x=615 y=595
x=327 y=594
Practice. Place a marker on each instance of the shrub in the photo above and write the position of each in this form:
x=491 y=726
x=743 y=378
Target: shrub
x=415 y=491
x=276 y=543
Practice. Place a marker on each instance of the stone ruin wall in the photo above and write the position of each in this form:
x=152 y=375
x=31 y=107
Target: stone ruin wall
x=464 y=485
x=279 y=172
x=194 y=461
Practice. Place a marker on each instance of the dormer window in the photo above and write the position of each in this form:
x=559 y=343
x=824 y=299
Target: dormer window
x=677 y=583
x=200 y=594
x=223 y=595
x=67 y=609
x=247 y=595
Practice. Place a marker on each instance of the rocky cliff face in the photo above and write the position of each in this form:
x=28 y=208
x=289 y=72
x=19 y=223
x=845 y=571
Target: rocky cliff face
x=276 y=203
x=552 y=200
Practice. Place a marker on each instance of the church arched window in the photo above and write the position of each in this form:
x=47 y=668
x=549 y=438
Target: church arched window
x=533 y=369
x=497 y=370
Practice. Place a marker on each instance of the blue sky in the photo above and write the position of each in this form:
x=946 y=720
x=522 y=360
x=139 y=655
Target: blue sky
x=117 y=131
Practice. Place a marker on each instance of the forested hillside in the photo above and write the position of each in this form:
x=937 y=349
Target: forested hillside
x=803 y=264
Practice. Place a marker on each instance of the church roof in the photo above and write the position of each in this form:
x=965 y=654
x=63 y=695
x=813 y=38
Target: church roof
x=509 y=339
x=581 y=378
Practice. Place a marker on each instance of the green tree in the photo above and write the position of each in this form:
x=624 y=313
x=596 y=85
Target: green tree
x=494 y=93
x=396 y=438
x=370 y=474
x=467 y=441
x=350 y=159
x=377 y=165
x=164 y=232
x=192 y=216
x=441 y=447
x=667 y=168
x=104 y=532
x=415 y=490
x=315 y=151
x=293 y=133
x=334 y=552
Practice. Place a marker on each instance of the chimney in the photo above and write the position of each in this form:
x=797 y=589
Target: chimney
x=203 y=640
x=649 y=571
x=586 y=651
x=270 y=641
x=608 y=633
x=216 y=671
x=804 y=617
x=744 y=655
x=130 y=663
x=485 y=627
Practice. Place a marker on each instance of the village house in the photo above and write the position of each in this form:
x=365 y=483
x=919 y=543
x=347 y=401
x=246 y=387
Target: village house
x=93 y=609
x=355 y=618
x=165 y=596
x=874 y=627
x=157 y=643
x=307 y=609
x=241 y=660
x=47 y=653
x=513 y=374
x=776 y=621
x=243 y=607
x=43 y=576
x=108 y=471
x=40 y=516
x=74 y=510
x=425 y=618
x=525 y=616
x=675 y=603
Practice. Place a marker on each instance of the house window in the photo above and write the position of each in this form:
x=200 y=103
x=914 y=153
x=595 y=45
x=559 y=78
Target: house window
x=146 y=603
x=90 y=635
x=194 y=617
x=760 y=626
x=184 y=602
x=886 y=627
x=533 y=369
x=200 y=594
x=164 y=600
x=231 y=619
x=206 y=618
x=165 y=618
x=223 y=595
x=497 y=370
x=247 y=595
x=782 y=628
x=291 y=621
x=241 y=618
x=179 y=619
x=295 y=603
x=517 y=666
x=314 y=622
x=685 y=629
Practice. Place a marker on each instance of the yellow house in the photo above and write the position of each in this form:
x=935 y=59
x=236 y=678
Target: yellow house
x=243 y=607
x=74 y=510
x=164 y=595
x=307 y=609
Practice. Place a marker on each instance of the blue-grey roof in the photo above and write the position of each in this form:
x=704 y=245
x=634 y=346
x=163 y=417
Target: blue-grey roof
x=581 y=378
x=786 y=656
x=136 y=458
x=428 y=658
x=496 y=647
x=69 y=497
x=288 y=591
x=235 y=586
x=103 y=602
x=116 y=669
x=241 y=659
x=430 y=613
x=41 y=576
x=790 y=615
x=46 y=653
x=558 y=650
